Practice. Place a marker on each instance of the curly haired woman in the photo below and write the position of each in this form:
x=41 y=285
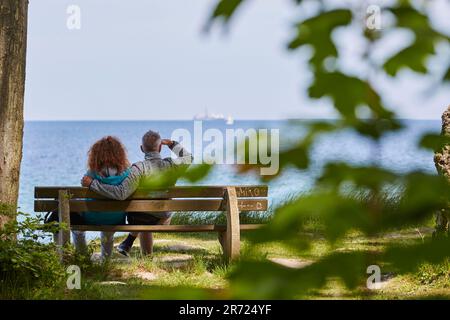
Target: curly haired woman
x=108 y=163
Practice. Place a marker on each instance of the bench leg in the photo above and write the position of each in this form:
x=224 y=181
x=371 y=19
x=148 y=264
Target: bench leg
x=222 y=240
x=64 y=217
x=230 y=239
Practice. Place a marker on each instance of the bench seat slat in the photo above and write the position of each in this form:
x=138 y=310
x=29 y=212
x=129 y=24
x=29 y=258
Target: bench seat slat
x=162 y=228
x=151 y=205
x=249 y=191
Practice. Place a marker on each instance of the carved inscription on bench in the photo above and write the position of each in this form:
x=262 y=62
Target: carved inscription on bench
x=248 y=192
x=258 y=205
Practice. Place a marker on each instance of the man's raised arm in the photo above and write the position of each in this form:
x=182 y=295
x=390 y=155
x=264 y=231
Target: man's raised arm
x=184 y=157
x=121 y=191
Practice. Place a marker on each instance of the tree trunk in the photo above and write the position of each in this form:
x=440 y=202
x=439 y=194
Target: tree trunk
x=442 y=162
x=13 y=40
x=442 y=157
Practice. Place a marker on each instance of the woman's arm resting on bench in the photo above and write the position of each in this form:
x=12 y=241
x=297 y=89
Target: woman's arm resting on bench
x=121 y=191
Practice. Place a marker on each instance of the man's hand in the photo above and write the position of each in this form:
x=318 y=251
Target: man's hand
x=86 y=181
x=167 y=142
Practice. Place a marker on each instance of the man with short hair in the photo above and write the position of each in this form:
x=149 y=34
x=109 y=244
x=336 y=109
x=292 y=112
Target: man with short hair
x=153 y=163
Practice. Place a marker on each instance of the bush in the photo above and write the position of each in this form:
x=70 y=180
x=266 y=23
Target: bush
x=434 y=273
x=28 y=260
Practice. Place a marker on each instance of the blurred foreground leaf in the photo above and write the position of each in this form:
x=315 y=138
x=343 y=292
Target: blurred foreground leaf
x=434 y=142
x=223 y=11
x=316 y=32
x=414 y=56
x=169 y=177
x=268 y=280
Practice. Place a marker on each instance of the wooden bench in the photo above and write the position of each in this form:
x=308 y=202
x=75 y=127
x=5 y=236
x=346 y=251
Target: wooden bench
x=231 y=199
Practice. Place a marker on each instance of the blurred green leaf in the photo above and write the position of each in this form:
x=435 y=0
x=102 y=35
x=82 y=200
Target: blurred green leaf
x=435 y=142
x=409 y=18
x=168 y=178
x=224 y=11
x=316 y=32
x=375 y=128
x=363 y=207
x=297 y=154
x=423 y=195
x=414 y=56
x=348 y=198
x=348 y=93
x=374 y=178
x=337 y=213
x=196 y=172
x=447 y=75
x=268 y=280
x=409 y=258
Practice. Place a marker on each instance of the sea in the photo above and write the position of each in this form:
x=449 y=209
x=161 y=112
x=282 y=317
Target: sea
x=55 y=152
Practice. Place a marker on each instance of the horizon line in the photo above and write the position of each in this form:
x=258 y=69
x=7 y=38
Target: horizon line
x=256 y=119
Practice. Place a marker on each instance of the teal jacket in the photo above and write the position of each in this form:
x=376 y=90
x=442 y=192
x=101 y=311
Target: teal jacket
x=106 y=218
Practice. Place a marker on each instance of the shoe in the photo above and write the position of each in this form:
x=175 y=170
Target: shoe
x=123 y=249
x=96 y=257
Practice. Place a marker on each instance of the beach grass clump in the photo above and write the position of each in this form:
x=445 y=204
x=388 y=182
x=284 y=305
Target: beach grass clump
x=390 y=204
x=217 y=218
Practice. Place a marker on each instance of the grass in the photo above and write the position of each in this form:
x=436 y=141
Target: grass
x=207 y=217
x=191 y=266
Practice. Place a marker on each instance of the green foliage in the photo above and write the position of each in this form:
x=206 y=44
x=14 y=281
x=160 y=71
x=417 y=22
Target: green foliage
x=346 y=198
x=414 y=56
x=339 y=87
x=7 y=211
x=268 y=280
x=26 y=261
x=433 y=273
x=435 y=142
x=348 y=94
x=262 y=279
x=447 y=75
x=31 y=266
x=168 y=178
x=224 y=10
x=372 y=178
x=316 y=32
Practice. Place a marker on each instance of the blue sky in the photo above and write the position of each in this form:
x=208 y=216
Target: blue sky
x=148 y=59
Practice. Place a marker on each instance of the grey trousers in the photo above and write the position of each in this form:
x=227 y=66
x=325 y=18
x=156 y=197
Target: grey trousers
x=106 y=240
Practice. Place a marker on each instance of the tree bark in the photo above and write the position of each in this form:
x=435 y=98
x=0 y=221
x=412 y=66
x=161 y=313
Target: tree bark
x=442 y=157
x=442 y=162
x=13 y=40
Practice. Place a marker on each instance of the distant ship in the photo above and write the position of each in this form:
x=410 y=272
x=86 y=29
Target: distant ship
x=206 y=116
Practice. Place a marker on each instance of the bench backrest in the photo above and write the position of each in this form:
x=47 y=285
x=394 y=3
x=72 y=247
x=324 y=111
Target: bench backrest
x=183 y=198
